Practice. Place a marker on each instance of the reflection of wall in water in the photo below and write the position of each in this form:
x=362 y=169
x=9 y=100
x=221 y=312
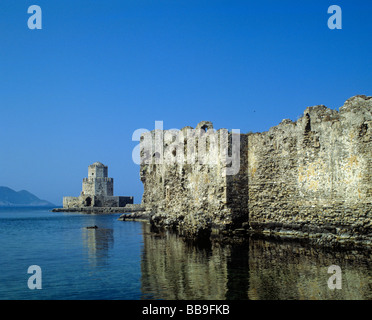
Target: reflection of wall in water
x=290 y=271
x=173 y=270
x=98 y=242
x=260 y=270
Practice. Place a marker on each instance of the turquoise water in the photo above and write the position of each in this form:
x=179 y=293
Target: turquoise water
x=125 y=260
x=76 y=263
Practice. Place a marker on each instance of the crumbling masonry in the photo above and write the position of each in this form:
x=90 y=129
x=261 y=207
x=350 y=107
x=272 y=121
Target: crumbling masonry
x=307 y=179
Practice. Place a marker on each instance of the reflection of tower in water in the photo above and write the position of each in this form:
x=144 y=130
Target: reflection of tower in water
x=98 y=242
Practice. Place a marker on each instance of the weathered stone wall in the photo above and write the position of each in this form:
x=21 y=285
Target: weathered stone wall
x=97 y=170
x=104 y=186
x=115 y=201
x=314 y=176
x=88 y=186
x=98 y=186
x=72 y=202
x=96 y=201
x=189 y=193
x=310 y=178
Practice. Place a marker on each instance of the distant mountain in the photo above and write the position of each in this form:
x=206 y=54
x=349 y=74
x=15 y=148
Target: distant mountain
x=23 y=198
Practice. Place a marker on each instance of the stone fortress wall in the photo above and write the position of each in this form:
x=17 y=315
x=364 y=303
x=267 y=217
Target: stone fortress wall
x=306 y=179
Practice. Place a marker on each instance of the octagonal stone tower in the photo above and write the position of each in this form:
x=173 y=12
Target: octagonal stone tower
x=98 y=191
x=98 y=183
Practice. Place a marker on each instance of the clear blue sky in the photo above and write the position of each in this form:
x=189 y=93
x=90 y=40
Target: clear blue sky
x=74 y=92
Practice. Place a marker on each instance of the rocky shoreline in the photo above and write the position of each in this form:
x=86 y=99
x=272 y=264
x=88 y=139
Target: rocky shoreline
x=201 y=229
x=130 y=208
x=140 y=215
x=327 y=236
x=93 y=210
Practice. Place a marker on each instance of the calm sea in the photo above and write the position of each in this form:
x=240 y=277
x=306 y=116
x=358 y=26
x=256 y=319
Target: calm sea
x=124 y=260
